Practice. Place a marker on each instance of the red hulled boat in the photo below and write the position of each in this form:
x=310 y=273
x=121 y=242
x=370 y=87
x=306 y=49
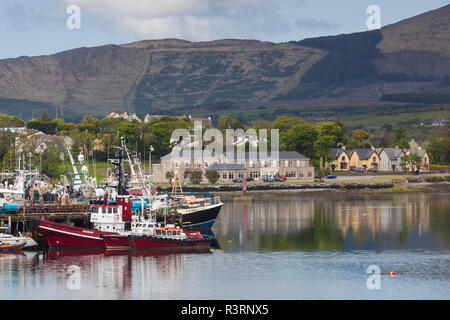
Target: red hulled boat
x=114 y=227
x=62 y=236
x=149 y=236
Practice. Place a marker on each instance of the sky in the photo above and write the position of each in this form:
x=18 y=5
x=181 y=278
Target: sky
x=31 y=28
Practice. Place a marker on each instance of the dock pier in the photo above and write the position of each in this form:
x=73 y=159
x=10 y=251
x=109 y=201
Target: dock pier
x=76 y=215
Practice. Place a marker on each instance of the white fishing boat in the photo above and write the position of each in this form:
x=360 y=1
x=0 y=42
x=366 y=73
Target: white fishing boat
x=17 y=239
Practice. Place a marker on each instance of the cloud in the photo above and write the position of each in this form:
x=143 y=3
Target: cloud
x=315 y=24
x=23 y=15
x=195 y=20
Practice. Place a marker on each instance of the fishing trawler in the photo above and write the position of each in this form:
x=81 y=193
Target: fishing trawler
x=148 y=235
x=198 y=211
x=113 y=217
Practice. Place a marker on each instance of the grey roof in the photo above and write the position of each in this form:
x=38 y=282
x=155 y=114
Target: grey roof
x=336 y=152
x=226 y=166
x=189 y=154
x=282 y=155
x=364 y=154
x=420 y=152
x=392 y=153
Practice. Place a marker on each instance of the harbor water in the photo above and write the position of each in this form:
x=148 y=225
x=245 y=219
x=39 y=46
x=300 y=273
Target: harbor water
x=323 y=245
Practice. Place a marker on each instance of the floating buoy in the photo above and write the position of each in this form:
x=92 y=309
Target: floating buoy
x=392 y=274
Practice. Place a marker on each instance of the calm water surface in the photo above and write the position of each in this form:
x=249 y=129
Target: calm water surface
x=287 y=247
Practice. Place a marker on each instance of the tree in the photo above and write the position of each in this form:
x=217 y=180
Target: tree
x=322 y=146
x=51 y=162
x=359 y=139
x=129 y=131
x=212 y=176
x=286 y=122
x=46 y=126
x=399 y=138
x=413 y=161
x=227 y=122
x=195 y=176
x=300 y=138
x=330 y=128
x=438 y=146
x=7 y=121
x=169 y=176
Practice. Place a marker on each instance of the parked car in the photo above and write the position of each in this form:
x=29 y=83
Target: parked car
x=250 y=179
x=237 y=180
x=372 y=170
x=280 y=179
x=358 y=169
x=331 y=176
x=269 y=179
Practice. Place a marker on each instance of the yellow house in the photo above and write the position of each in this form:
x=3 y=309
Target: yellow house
x=341 y=159
x=367 y=158
x=425 y=166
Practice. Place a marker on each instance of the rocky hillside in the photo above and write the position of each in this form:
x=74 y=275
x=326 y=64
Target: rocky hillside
x=156 y=76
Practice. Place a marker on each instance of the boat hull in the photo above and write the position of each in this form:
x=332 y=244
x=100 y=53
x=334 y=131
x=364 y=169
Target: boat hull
x=200 y=219
x=61 y=236
x=29 y=242
x=12 y=247
x=162 y=245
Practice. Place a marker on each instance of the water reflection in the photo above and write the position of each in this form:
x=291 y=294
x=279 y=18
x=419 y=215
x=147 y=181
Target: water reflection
x=302 y=246
x=336 y=221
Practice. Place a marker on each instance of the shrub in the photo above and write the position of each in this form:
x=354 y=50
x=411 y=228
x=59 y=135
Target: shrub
x=212 y=176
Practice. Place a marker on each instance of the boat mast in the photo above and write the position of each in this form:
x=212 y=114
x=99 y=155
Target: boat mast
x=121 y=187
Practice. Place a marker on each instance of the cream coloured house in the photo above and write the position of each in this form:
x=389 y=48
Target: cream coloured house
x=290 y=164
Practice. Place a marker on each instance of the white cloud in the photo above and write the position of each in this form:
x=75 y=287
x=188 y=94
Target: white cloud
x=195 y=20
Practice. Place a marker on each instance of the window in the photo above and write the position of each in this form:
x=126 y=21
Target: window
x=374 y=159
x=176 y=164
x=230 y=175
x=94 y=209
x=254 y=174
x=310 y=174
x=343 y=158
x=241 y=175
x=110 y=210
x=290 y=163
x=302 y=174
x=291 y=174
x=206 y=164
x=186 y=164
x=224 y=175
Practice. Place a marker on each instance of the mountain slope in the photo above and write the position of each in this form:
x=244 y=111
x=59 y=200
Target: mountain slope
x=411 y=57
